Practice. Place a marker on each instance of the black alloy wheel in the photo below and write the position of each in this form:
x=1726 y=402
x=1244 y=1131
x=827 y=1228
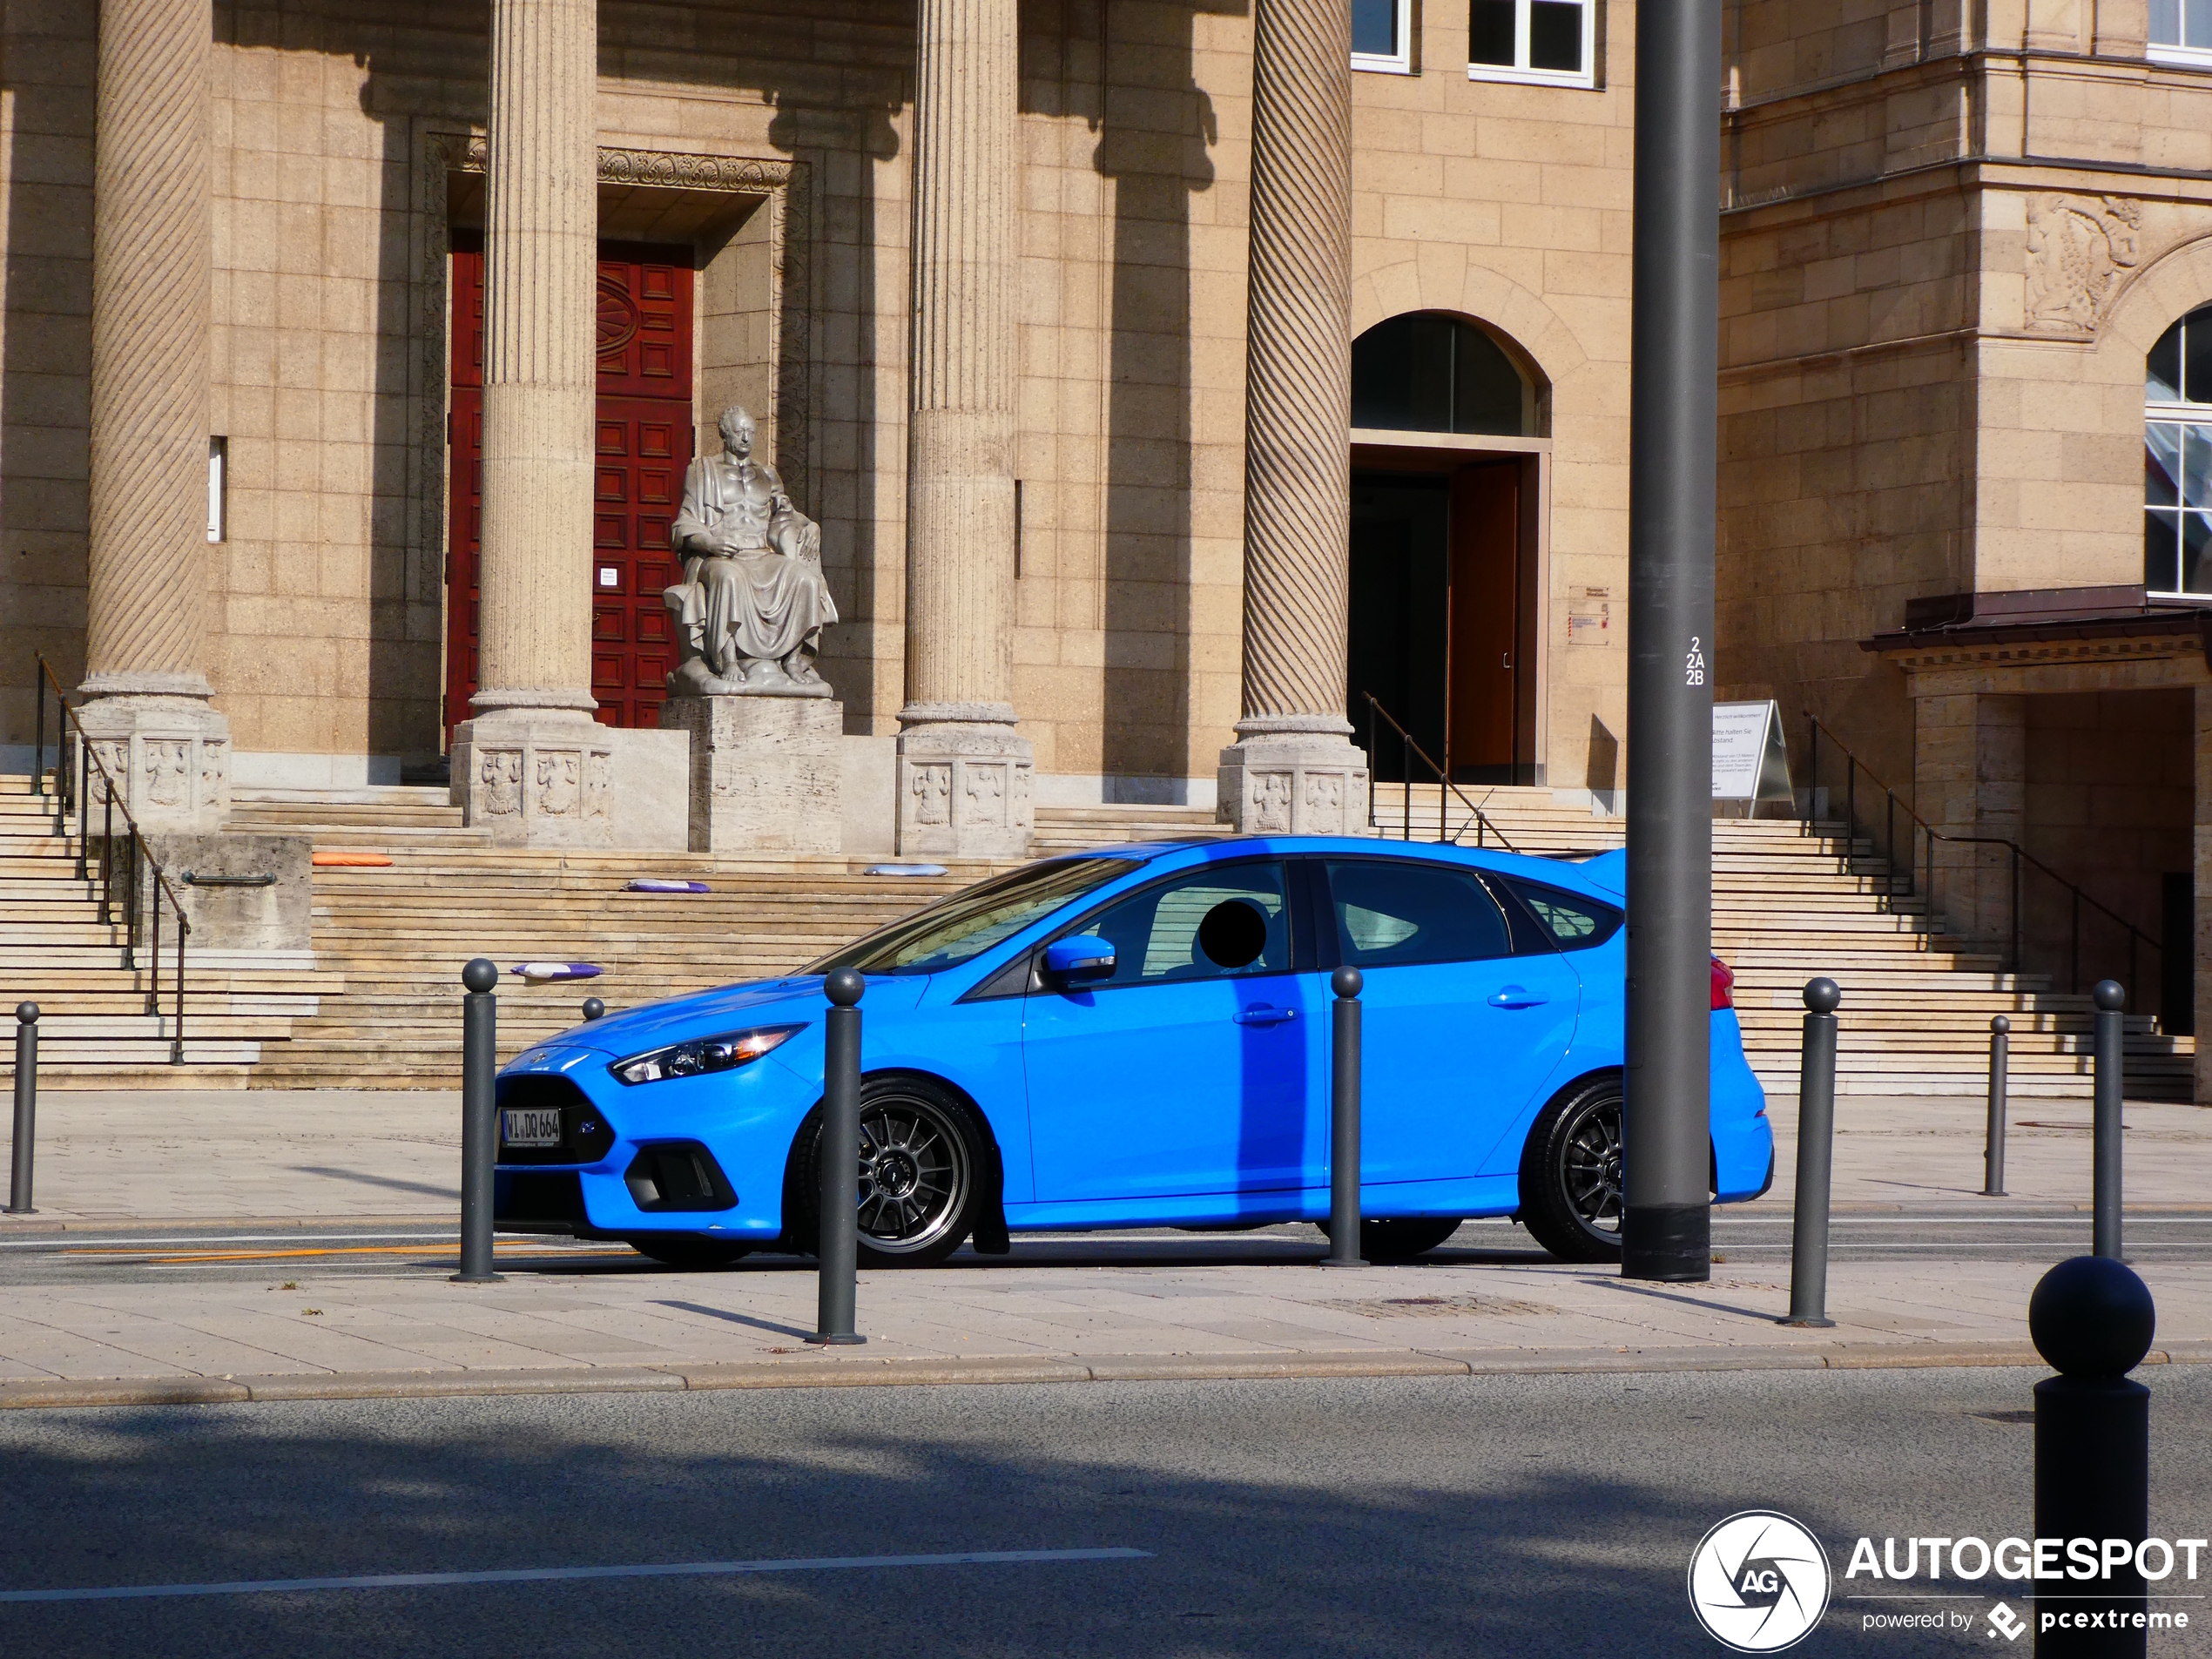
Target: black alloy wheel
x=1570 y=1173
x=919 y=1181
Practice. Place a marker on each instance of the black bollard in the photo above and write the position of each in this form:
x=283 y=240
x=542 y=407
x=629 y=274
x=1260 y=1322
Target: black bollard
x=1815 y=1151
x=26 y=1109
x=479 y=1119
x=1992 y=1155
x=837 y=1246
x=594 y=1010
x=2093 y=1320
x=1344 y=1122
x=2112 y=1037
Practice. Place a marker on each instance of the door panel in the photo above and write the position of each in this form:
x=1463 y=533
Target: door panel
x=1192 y=1070
x=1486 y=576
x=643 y=441
x=1458 y=1035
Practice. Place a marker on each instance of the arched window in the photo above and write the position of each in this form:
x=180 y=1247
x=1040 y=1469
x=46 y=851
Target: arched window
x=2177 y=459
x=1427 y=372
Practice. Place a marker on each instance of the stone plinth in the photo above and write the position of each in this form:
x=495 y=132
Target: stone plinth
x=965 y=787
x=1298 y=781
x=170 y=756
x=766 y=772
x=536 y=777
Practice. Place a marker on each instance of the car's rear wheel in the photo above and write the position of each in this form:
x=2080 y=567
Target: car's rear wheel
x=688 y=1250
x=1401 y=1238
x=920 y=1175
x=1570 y=1173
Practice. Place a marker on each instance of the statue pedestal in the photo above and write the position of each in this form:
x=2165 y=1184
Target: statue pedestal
x=766 y=772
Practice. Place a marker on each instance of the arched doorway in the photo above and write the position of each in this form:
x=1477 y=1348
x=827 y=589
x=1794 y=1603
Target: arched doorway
x=1446 y=483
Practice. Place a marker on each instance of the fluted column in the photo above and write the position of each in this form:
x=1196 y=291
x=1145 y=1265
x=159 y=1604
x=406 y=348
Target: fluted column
x=1293 y=768
x=147 y=624
x=531 y=765
x=964 y=775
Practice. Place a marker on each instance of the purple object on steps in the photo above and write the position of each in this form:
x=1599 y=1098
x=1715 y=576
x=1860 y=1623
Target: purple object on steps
x=652 y=884
x=540 y=973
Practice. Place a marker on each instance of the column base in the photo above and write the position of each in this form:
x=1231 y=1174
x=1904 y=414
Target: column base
x=767 y=772
x=964 y=782
x=168 y=751
x=1294 y=775
x=536 y=778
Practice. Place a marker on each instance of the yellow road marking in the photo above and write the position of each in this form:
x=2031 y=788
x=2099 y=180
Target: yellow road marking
x=333 y=1250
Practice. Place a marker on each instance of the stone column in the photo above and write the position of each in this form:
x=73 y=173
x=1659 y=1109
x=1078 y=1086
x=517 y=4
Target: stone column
x=1969 y=778
x=145 y=682
x=1293 y=768
x=964 y=775
x=532 y=766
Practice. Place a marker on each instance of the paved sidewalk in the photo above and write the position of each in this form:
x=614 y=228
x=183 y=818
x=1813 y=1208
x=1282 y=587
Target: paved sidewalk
x=273 y=1154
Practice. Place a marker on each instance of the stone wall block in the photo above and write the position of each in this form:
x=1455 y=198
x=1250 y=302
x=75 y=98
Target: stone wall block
x=766 y=772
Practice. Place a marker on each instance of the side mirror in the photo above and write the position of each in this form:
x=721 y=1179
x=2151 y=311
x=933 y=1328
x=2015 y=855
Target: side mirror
x=1079 y=961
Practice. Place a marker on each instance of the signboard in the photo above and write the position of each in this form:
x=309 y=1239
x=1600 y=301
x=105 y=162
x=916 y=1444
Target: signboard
x=1750 y=761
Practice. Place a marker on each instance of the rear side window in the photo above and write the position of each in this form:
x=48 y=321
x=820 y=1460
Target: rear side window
x=1572 y=922
x=1397 y=913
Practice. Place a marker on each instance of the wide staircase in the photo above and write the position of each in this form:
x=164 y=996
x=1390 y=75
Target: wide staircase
x=380 y=1006
x=64 y=948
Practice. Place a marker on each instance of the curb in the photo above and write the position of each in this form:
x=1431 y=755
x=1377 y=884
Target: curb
x=842 y=1371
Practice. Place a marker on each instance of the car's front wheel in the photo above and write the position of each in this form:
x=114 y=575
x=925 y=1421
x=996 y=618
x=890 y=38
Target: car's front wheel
x=919 y=1180
x=1570 y=1173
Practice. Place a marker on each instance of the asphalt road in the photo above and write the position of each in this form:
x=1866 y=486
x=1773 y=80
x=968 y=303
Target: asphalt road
x=1759 y=1237
x=1500 y=1515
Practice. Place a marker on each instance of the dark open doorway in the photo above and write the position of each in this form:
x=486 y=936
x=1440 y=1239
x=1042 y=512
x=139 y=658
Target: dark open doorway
x=1436 y=612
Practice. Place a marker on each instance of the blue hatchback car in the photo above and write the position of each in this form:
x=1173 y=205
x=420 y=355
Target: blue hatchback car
x=1137 y=1036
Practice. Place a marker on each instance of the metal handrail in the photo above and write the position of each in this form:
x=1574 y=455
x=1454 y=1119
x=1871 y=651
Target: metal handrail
x=2021 y=858
x=1408 y=749
x=71 y=781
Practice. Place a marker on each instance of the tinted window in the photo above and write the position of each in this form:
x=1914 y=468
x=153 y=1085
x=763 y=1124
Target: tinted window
x=1208 y=923
x=965 y=924
x=1394 y=913
x=1572 y=922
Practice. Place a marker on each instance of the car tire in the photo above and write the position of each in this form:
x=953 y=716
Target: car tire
x=688 y=1250
x=1570 y=1173
x=1384 y=1239
x=920 y=1179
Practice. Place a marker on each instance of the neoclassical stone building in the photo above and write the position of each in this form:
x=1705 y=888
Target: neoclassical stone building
x=354 y=354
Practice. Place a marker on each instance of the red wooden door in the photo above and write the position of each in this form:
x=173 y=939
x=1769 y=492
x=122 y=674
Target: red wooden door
x=1486 y=606
x=642 y=443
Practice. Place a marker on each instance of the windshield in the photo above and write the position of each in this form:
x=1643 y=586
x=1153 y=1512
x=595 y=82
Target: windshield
x=964 y=925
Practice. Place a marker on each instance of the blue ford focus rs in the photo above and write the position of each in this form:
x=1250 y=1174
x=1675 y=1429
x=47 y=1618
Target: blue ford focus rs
x=1137 y=1036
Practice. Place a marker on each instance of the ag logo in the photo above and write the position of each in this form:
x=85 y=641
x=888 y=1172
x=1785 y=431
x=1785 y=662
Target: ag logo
x=1758 y=1582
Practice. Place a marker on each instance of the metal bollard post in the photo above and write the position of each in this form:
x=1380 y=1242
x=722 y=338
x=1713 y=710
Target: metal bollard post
x=1816 y=1148
x=479 y=1119
x=594 y=1010
x=2092 y=1320
x=837 y=1244
x=2112 y=1037
x=1992 y=1156
x=1344 y=1122
x=26 y=1109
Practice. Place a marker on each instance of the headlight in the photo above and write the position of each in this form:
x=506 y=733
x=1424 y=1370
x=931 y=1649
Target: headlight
x=701 y=1055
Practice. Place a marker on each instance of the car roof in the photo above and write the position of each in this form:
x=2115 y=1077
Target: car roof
x=1589 y=877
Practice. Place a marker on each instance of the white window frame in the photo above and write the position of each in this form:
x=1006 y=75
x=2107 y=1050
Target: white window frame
x=1399 y=62
x=1520 y=74
x=2173 y=52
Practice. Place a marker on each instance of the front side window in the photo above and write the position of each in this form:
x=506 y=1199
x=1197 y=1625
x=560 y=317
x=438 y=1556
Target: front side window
x=1212 y=922
x=2177 y=458
x=2181 y=31
x=1394 y=913
x=965 y=924
x=1553 y=42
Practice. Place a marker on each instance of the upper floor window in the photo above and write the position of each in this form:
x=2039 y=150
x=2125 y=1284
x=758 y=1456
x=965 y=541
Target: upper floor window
x=1428 y=372
x=2181 y=31
x=2177 y=459
x=1382 y=36
x=1551 y=41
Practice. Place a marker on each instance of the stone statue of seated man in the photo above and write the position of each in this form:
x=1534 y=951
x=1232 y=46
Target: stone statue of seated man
x=752 y=604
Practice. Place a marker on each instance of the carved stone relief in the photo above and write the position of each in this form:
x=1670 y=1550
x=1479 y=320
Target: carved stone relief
x=2079 y=251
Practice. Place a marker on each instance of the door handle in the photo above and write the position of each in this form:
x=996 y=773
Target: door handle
x=1262 y=1014
x=1514 y=997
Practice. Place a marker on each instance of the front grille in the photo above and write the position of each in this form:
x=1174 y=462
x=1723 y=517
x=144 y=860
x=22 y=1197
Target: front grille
x=543 y=1201
x=585 y=1134
x=678 y=1175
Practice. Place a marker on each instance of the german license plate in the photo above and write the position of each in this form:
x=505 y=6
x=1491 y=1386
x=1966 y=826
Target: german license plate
x=531 y=1126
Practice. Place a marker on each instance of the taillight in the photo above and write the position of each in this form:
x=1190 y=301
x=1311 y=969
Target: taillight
x=1724 y=985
